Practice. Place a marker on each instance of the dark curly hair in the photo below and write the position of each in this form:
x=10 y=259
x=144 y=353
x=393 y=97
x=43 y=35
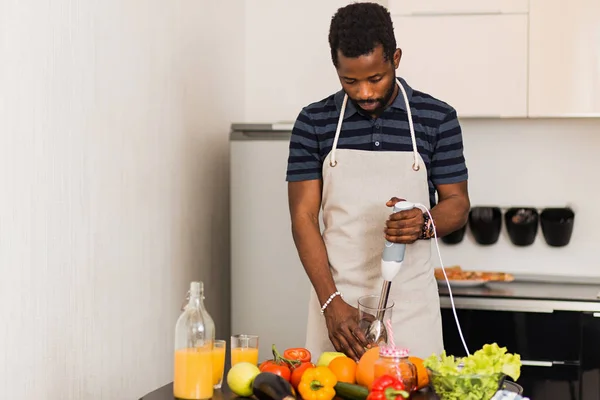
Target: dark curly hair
x=358 y=28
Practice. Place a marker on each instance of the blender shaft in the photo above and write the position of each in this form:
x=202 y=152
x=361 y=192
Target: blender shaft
x=383 y=299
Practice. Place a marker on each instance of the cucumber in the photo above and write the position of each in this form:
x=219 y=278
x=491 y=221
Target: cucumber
x=349 y=391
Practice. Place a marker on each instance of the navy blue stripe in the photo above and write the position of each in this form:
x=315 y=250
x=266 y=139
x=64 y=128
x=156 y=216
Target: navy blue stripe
x=304 y=171
x=451 y=174
x=448 y=148
x=450 y=162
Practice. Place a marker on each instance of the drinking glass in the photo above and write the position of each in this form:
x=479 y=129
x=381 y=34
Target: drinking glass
x=218 y=358
x=244 y=348
x=368 y=310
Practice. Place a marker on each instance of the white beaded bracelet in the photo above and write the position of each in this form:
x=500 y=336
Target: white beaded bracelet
x=329 y=300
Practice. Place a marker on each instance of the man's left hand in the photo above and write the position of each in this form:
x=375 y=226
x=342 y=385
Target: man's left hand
x=403 y=226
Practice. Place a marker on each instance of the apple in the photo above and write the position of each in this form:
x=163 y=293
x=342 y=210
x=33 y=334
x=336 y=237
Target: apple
x=327 y=356
x=241 y=377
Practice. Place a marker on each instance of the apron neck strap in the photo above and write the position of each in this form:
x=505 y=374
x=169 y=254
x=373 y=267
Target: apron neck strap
x=338 y=129
x=416 y=166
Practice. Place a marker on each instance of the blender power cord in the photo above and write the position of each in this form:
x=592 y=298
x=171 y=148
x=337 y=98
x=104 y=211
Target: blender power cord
x=462 y=338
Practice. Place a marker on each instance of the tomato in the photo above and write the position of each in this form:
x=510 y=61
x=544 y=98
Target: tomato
x=297 y=373
x=276 y=368
x=298 y=353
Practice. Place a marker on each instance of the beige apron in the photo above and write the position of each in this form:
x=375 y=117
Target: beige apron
x=356 y=186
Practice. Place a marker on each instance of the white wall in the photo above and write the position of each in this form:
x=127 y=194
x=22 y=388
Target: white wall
x=288 y=63
x=537 y=163
x=542 y=162
x=114 y=121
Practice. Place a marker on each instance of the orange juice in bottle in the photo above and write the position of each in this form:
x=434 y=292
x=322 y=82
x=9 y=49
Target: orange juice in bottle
x=193 y=374
x=194 y=338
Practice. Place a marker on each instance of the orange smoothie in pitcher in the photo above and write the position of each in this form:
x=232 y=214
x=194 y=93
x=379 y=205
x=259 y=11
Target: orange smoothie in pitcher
x=193 y=378
x=244 y=354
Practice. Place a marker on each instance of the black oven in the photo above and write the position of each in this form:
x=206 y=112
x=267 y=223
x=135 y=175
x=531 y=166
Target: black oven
x=556 y=348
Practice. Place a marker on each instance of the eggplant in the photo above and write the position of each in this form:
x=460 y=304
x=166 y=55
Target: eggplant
x=269 y=386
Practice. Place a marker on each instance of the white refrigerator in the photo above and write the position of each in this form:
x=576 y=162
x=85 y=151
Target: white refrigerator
x=269 y=288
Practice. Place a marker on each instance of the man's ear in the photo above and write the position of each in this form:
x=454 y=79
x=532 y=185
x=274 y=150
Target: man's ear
x=397 y=57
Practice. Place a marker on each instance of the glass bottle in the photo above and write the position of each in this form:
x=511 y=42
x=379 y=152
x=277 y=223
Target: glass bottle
x=194 y=339
x=395 y=362
x=207 y=317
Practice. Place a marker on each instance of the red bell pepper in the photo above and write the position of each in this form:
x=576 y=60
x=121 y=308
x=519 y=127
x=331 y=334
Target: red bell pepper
x=387 y=387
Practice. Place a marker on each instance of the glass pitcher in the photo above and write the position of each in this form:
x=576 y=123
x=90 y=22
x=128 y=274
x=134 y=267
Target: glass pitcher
x=194 y=340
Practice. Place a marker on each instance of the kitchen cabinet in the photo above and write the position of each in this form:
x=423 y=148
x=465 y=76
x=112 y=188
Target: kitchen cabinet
x=564 y=58
x=476 y=63
x=445 y=7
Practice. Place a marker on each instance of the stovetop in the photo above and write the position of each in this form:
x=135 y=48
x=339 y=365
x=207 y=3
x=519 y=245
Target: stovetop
x=535 y=289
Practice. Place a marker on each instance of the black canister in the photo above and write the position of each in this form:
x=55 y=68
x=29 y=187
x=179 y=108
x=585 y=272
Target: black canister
x=521 y=225
x=485 y=224
x=557 y=225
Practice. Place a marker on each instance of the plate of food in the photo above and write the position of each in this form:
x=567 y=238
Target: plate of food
x=459 y=277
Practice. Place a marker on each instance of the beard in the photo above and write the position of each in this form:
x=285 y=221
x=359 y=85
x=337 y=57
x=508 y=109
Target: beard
x=381 y=102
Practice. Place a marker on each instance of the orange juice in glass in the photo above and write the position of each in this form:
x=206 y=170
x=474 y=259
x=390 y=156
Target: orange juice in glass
x=244 y=348
x=193 y=377
x=218 y=358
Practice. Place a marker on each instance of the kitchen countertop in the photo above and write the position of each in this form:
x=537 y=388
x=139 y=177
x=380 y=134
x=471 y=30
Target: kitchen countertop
x=528 y=294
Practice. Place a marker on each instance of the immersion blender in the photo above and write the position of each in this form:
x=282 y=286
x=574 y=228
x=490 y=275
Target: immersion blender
x=391 y=262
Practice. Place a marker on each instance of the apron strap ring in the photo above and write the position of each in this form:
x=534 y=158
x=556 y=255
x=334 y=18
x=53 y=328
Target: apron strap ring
x=416 y=167
x=333 y=163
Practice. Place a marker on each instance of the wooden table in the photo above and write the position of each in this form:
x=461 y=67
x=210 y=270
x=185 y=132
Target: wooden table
x=166 y=393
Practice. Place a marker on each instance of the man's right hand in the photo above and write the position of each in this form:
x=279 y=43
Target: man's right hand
x=344 y=333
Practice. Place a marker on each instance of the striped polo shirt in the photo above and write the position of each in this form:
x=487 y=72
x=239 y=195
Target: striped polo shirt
x=437 y=133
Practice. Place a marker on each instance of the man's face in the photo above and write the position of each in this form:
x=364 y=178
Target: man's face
x=369 y=80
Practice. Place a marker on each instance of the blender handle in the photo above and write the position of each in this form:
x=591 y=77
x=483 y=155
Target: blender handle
x=391 y=261
x=393 y=253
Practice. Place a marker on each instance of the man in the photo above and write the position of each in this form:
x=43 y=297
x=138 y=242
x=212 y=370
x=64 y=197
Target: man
x=355 y=154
